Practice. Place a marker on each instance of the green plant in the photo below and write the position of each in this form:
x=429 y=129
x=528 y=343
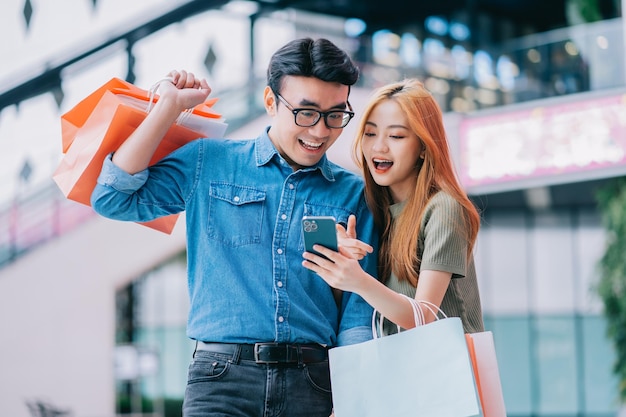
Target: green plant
x=172 y=407
x=612 y=284
x=582 y=11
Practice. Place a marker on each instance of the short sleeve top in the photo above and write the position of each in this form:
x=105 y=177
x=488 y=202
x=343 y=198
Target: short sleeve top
x=443 y=247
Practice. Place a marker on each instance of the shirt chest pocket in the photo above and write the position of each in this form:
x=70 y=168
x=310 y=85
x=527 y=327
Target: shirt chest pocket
x=235 y=214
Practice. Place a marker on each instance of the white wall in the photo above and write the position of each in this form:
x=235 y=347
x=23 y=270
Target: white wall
x=57 y=314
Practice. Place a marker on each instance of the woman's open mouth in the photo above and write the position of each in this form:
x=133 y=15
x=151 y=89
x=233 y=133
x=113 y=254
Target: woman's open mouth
x=382 y=164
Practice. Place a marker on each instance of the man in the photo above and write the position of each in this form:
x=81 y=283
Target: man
x=262 y=322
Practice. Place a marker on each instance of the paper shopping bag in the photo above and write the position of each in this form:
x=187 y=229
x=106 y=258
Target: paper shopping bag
x=425 y=371
x=114 y=115
x=75 y=118
x=486 y=373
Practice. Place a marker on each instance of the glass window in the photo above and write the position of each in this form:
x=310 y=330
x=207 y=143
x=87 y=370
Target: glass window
x=512 y=341
x=600 y=385
x=556 y=376
x=552 y=263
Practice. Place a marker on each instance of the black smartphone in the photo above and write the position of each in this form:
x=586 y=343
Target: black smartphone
x=319 y=230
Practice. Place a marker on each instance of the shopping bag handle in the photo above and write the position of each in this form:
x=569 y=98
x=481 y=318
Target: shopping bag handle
x=432 y=307
x=418 y=315
x=150 y=97
x=153 y=89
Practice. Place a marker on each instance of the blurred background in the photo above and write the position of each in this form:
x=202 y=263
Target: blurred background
x=93 y=312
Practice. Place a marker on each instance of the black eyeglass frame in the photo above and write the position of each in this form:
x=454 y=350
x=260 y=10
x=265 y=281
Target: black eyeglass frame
x=320 y=114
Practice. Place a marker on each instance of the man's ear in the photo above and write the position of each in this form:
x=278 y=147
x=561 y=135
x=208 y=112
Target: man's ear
x=269 y=101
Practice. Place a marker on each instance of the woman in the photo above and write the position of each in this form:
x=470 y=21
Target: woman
x=428 y=224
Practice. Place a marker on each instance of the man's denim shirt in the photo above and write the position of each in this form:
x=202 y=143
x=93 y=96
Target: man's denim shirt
x=244 y=206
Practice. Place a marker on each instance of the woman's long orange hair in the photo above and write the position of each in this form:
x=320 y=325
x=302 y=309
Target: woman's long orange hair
x=436 y=173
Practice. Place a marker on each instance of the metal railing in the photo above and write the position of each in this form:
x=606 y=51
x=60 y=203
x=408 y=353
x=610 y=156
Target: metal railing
x=29 y=221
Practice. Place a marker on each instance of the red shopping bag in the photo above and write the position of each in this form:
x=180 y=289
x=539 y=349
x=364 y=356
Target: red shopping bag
x=486 y=373
x=101 y=122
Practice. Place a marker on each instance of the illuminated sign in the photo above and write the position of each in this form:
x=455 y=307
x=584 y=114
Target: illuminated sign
x=544 y=145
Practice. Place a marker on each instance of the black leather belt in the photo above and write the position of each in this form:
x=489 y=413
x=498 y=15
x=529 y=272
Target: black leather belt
x=269 y=353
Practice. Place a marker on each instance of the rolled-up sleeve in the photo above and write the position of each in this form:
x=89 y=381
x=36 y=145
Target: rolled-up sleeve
x=354 y=335
x=114 y=194
x=115 y=177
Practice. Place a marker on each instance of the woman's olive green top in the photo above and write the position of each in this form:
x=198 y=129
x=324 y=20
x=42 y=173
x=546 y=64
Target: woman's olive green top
x=443 y=247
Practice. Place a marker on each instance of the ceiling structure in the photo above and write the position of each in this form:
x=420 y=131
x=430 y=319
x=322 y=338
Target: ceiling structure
x=538 y=15
x=533 y=15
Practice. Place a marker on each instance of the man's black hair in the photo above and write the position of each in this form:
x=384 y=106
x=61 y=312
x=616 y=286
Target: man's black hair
x=306 y=57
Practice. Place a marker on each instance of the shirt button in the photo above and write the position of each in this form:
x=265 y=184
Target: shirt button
x=280 y=284
x=236 y=199
x=281 y=319
x=291 y=186
x=284 y=216
x=279 y=251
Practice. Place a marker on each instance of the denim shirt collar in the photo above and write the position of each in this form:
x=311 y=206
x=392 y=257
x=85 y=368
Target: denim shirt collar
x=265 y=151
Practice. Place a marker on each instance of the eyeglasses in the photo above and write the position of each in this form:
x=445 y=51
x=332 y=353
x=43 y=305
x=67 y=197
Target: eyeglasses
x=335 y=119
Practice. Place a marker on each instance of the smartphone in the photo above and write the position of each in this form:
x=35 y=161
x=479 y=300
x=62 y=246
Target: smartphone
x=319 y=230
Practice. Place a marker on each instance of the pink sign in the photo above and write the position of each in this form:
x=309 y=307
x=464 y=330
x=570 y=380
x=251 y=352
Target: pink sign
x=545 y=142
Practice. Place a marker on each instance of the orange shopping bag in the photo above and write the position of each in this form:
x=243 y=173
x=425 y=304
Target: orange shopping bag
x=101 y=122
x=486 y=373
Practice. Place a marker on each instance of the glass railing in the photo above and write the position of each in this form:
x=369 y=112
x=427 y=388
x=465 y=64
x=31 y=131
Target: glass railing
x=571 y=60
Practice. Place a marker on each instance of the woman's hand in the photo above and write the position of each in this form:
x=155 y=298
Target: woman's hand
x=346 y=238
x=340 y=270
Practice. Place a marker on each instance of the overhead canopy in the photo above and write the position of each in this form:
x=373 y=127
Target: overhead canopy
x=540 y=15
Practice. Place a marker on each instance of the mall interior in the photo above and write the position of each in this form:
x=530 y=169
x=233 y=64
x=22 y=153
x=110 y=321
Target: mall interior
x=93 y=311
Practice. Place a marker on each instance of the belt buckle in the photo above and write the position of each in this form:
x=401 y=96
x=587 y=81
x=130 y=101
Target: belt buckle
x=257 y=346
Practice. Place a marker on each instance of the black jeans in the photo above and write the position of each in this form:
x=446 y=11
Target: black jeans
x=222 y=385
